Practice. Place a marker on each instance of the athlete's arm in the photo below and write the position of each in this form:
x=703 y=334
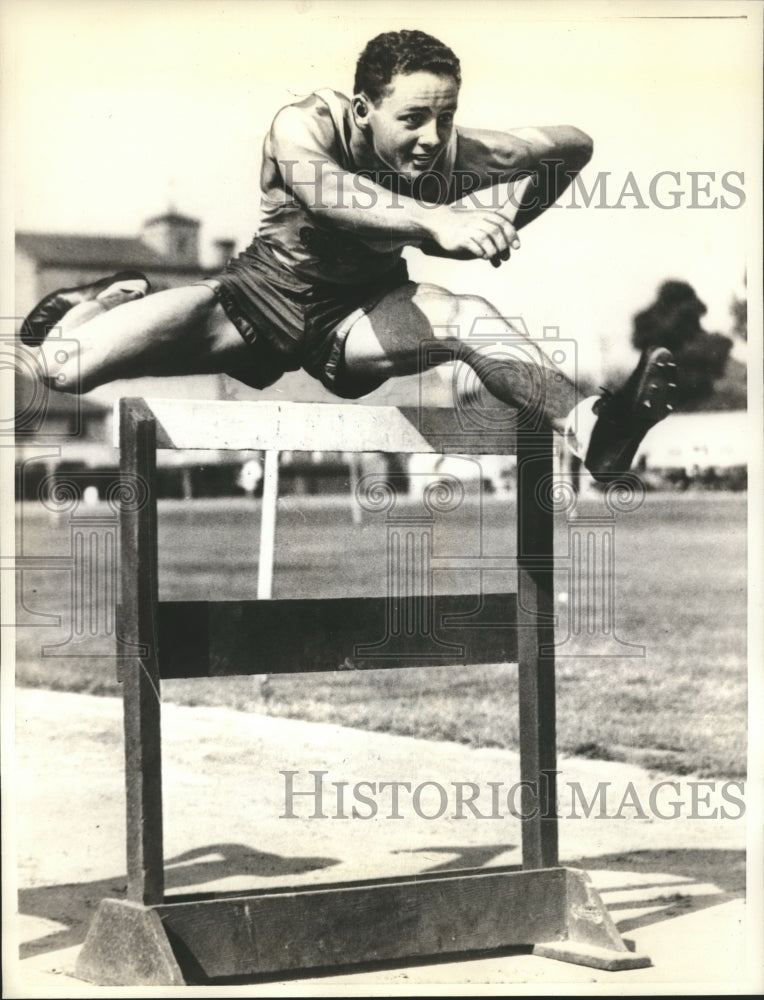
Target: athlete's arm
x=302 y=139
x=551 y=156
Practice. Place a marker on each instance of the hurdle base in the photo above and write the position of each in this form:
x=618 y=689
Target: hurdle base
x=591 y=956
x=311 y=929
x=127 y=946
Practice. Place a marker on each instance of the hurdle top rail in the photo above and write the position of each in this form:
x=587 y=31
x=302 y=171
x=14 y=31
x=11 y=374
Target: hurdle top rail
x=261 y=426
x=555 y=910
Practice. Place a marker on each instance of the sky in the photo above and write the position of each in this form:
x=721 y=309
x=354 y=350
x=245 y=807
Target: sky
x=116 y=110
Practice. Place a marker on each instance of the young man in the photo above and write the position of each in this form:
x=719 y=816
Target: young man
x=346 y=184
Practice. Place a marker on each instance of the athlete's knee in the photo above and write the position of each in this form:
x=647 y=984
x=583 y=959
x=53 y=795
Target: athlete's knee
x=452 y=316
x=471 y=310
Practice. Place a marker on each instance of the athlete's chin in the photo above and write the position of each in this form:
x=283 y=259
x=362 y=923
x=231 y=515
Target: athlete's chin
x=413 y=171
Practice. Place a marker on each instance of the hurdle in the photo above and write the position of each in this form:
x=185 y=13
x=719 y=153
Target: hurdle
x=154 y=939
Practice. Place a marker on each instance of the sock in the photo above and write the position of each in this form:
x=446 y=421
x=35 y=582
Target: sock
x=121 y=291
x=579 y=426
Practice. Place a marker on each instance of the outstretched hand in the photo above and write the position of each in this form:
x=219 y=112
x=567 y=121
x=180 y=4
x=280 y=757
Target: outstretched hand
x=474 y=233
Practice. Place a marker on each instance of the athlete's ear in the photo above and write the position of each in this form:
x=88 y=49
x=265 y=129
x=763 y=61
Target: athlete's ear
x=360 y=106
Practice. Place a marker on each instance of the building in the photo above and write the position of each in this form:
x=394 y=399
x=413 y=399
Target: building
x=166 y=250
x=696 y=442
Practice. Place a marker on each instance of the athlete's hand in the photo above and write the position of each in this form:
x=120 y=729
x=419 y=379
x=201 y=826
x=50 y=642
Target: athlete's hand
x=478 y=233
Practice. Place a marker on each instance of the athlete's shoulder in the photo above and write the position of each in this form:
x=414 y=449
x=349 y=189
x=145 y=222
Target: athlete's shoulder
x=319 y=115
x=327 y=105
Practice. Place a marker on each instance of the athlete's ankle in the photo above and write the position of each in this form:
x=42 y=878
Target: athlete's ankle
x=579 y=425
x=80 y=314
x=122 y=291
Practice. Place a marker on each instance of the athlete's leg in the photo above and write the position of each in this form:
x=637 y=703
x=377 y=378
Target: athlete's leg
x=116 y=294
x=181 y=331
x=392 y=340
x=111 y=290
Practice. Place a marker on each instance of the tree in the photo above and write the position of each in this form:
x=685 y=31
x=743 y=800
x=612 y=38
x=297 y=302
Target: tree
x=673 y=321
x=739 y=310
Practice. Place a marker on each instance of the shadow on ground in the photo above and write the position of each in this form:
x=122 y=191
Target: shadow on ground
x=663 y=899
x=74 y=905
x=460 y=858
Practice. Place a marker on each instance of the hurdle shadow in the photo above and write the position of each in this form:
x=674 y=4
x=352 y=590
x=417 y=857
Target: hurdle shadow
x=467 y=857
x=665 y=899
x=74 y=904
x=662 y=899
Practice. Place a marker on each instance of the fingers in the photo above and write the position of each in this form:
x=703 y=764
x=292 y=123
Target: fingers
x=492 y=243
x=475 y=246
x=500 y=233
x=505 y=225
x=497 y=238
x=485 y=234
x=511 y=236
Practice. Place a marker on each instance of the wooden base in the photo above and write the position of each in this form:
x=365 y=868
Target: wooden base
x=202 y=940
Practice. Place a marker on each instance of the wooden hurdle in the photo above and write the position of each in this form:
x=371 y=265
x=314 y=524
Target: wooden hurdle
x=154 y=939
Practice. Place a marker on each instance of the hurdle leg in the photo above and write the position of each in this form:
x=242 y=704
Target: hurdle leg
x=126 y=942
x=535 y=600
x=140 y=675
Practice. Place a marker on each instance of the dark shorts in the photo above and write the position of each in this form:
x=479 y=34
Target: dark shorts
x=290 y=323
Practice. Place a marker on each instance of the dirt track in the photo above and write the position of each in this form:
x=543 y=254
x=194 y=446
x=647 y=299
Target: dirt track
x=224 y=796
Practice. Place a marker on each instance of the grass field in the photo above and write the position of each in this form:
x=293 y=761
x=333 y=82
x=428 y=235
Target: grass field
x=679 y=586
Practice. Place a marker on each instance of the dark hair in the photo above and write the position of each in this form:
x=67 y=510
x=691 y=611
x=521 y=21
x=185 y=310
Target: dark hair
x=402 y=52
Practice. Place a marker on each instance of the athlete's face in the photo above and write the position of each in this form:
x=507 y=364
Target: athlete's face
x=412 y=123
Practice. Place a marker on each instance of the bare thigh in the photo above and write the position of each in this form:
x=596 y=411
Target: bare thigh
x=181 y=331
x=388 y=340
x=418 y=326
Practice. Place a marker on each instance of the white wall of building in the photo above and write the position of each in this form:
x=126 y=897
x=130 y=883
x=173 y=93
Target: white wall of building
x=706 y=440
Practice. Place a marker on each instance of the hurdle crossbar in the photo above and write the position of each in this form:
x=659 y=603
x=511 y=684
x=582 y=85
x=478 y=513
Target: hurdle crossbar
x=154 y=939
